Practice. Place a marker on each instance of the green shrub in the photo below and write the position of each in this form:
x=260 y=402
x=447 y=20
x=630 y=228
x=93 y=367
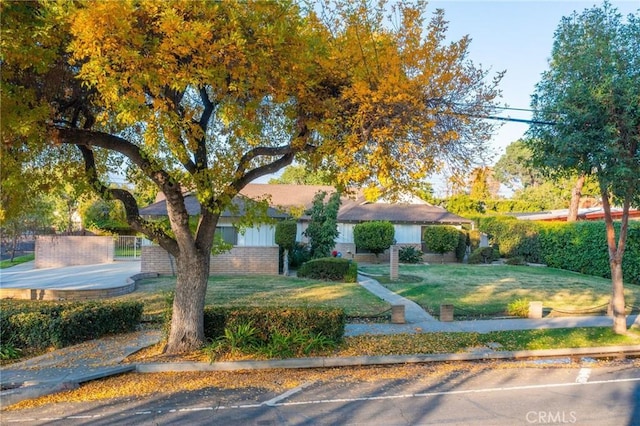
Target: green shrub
x=441 y=238
x=327 y=268
x=518 y=308
x=482 y=255
x=582 y=247
x=40 y=325
x=516 y=260
x=375 y=236
x=410 y=254
x=464 y=241
x=513 y=237
x=267 y=321
x=299 y=255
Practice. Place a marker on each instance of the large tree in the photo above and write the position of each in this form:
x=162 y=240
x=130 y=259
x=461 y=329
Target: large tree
x=590 y=98
x=207 y=96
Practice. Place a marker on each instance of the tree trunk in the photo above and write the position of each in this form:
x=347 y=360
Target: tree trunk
x=187 y=321
x=616 y=254
x=617 y=298
x=576 y=194
x=285 y=263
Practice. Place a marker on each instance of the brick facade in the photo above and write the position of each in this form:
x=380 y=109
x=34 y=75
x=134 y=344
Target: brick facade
x=239 y=260
x=58 y=251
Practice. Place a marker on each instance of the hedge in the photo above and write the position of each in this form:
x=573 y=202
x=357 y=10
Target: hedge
x=575 y=246
x=329 y=322
x=330 y=269
x=40 y=325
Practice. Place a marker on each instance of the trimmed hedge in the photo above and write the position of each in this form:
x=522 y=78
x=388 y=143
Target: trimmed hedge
x=329 y=322
x=41 y=325
x=575 y=246
x=330 y=269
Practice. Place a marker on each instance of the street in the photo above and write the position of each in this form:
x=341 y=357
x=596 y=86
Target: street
x=507 y=393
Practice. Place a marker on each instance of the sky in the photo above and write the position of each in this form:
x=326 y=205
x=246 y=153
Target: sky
x=515 y=36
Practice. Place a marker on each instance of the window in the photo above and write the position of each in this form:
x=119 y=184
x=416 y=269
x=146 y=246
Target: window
x=229 y=234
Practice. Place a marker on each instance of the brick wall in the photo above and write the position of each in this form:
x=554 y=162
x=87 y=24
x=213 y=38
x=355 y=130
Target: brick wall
x=239 y=260
x=57 y=251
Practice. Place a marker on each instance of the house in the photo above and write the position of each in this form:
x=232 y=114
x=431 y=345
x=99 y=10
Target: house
x=254 y=249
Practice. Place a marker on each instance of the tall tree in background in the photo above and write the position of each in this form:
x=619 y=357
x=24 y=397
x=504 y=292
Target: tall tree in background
x=210 y=96
x=592 y=92
x=322 y=230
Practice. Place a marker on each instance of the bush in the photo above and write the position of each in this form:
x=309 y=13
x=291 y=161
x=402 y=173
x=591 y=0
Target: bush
x=299 y=255
x=329 y=269
x=375 y=236
x=441 y=238
x=410 y=254
x=482 y=255
x=40 y=325
x=267 y=321
x=514 y=237
x=518 y=308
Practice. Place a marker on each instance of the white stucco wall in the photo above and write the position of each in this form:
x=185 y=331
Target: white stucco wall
x=258 y=236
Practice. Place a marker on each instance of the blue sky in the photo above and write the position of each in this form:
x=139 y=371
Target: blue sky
x=516 y=36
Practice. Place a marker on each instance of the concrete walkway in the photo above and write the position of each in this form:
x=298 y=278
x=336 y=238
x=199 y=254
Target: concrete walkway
x=66 y=368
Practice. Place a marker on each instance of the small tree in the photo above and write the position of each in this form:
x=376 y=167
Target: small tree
x=375 y=236
x=323 y=227
x=441 y=239
x=286 y=239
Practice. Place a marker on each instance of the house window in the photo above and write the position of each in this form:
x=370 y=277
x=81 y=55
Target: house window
x=362 y=251
x=229 y=234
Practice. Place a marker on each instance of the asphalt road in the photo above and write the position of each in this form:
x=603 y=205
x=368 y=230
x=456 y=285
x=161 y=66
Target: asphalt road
x=484 y=394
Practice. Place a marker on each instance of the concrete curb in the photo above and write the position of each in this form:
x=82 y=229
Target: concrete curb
x=294 y=363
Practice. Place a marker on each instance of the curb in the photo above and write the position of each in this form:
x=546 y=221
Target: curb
x=295 y=363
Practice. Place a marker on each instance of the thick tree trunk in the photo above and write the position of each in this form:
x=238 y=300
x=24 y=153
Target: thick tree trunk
x=576 y=194
x=187 y=321
x=617 y=298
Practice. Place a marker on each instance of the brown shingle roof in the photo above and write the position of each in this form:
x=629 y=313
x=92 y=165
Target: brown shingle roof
x=352 y=209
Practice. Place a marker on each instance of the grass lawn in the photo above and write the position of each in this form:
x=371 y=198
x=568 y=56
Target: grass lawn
x=485 y=290
x=267 y=290
x=16 y=261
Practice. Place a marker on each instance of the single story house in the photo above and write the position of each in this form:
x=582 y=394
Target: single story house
x=254 y=249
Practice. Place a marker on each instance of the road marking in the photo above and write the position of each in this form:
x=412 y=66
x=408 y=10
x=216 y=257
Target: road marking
x=460 y=392
x=273 y=401
x=583 y=375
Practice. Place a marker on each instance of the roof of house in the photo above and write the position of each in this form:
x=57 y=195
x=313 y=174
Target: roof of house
x=353 y=208
x=159 y=208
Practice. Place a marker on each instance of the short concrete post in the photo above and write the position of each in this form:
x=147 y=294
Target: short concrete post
x=397 y=314
x=446 y=313
x=535 y=310
x=394 y=262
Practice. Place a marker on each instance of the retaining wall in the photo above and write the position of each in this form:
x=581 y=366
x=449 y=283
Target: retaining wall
x=55 y=251
x=239 y=260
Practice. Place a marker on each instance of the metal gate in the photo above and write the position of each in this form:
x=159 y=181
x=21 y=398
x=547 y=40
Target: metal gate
x=128 y=247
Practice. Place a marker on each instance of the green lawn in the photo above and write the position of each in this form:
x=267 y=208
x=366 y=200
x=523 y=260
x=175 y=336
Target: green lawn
x=486 y=290
x=16 y=261
x=268 y=290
